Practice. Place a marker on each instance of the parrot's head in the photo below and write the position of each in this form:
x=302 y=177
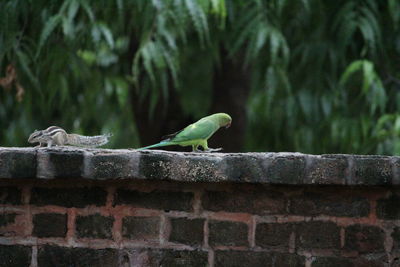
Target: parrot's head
x=224 y=120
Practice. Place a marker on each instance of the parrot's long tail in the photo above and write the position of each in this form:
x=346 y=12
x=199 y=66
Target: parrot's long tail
x=164 y=143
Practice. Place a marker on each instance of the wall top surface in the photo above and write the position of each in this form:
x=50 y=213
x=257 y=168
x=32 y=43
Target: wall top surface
x=265 y=168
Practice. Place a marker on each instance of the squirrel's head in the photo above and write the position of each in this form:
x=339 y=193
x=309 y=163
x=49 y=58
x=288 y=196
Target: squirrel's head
x=35 y=137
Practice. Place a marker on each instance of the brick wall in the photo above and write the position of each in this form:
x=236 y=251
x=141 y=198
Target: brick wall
x=148 y=223
x=134 y=222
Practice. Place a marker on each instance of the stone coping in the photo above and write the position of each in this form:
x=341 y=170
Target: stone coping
x=264 y=168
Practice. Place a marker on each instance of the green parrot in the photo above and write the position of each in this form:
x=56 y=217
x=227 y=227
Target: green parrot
x=196 y=134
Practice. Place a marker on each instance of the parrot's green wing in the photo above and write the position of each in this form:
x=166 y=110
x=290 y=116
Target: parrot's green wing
x=202 y=129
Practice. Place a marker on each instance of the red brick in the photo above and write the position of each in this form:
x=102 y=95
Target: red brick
x=10 y=195
x=331 y=262
x=141 y=228
x=273 y=234
x=231 y=258
x=49 y=225
x=371 y=261
x=332 y=204
x=290 y=260
x=317 y=234
x=364 y=238
x=163 y=200
x=388 y=208
x=50 y=256
x=396 y=238
x=396 y=262
x=7 y=225
x=166 y=257
x=94 y=226
x=261 y=202
x=187 y=231
x=15 y=256
x=69 y=197
x=182 y=258
x=226 y=233
x=6 y=219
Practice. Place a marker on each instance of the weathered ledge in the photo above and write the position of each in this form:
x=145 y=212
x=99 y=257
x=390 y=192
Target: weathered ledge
x=264 y=168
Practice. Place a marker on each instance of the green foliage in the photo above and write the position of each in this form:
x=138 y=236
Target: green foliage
x=335 y=87
x=324 y=74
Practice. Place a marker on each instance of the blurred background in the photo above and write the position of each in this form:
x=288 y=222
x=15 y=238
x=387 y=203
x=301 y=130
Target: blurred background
x=311 y=76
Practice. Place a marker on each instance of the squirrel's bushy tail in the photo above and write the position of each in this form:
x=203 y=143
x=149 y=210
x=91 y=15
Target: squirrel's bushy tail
x=88 y=141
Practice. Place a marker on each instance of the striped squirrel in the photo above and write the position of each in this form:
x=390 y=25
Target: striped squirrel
x=55 y=135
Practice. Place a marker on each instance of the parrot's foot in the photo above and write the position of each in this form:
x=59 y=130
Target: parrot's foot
x=213 y=150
